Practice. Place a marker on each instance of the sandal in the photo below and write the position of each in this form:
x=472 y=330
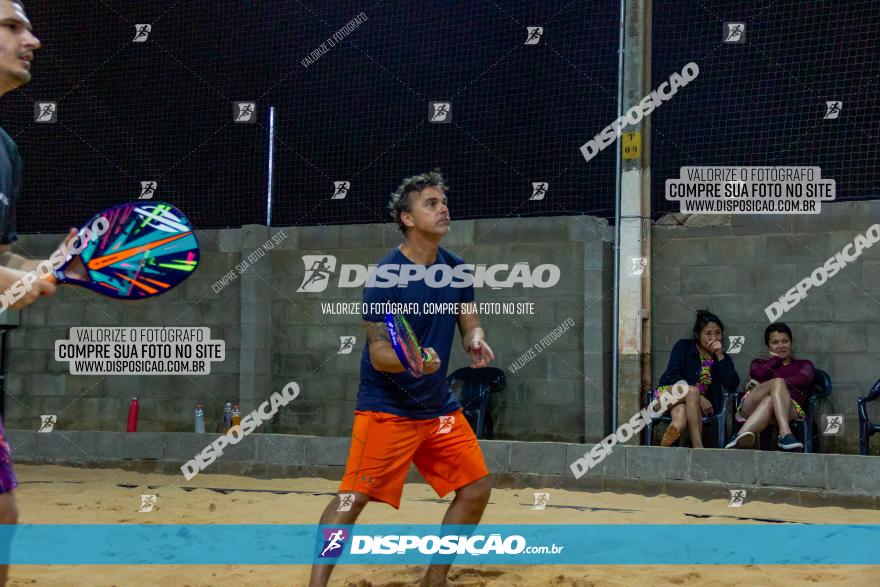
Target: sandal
x=671 y=436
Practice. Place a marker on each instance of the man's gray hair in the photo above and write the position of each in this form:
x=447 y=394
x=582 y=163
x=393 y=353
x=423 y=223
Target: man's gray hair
x=402 y=198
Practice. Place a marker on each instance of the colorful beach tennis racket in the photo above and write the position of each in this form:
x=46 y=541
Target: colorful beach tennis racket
x=406 y=345
x=147 y=249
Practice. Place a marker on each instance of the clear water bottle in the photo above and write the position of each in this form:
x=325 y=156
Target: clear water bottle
x=227 y=417
x=200 y=417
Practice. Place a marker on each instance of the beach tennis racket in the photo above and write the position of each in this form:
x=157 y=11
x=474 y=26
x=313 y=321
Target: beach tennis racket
x=406 y=345
x=146 y=249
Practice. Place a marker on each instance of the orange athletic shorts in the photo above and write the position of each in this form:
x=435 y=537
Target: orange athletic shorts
x=444 y=450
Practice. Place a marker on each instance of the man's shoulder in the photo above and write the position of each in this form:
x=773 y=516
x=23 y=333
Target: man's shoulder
x=6 y=142
x=448 y=258
x=390 y=257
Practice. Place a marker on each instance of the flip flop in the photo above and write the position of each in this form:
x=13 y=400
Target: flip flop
x=671 y=436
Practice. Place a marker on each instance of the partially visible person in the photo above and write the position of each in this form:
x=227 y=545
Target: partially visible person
x=17 y=47
x=778 y=391
x=703 y=364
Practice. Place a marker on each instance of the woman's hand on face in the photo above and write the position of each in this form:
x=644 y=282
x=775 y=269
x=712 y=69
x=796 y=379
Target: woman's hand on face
x=717 y=349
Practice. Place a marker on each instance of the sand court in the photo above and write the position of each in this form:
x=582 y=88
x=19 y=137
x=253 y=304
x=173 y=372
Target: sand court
x=67 y=495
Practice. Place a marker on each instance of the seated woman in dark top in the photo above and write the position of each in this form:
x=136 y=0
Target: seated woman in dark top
x=779 y=390
x=702 y=363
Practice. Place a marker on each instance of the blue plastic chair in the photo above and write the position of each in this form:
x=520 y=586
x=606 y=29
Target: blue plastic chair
x=717 y=422
x=805 y=430
x=866 y=427
x=473 y=388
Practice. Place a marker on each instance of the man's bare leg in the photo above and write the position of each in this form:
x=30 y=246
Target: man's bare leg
x=333 y=517
x=8 y=515
x=467 y=508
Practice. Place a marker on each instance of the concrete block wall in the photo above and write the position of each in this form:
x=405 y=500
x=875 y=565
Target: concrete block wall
x=544 y=400
x=37 y=384
x=275 y=335
x=740 y=266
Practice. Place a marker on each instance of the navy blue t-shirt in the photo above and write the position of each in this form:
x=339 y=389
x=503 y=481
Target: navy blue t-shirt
x=425 y=397
x=10 y=187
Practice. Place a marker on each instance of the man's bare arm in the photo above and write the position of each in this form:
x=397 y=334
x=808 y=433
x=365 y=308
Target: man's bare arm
x=469 y=326
x=13 y=261
x=382 y=354
x=473 y=338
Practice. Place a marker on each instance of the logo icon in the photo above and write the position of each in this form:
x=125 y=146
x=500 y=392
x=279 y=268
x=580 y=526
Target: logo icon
x=148 y=189
x=319 y=268
x=161 y=218
x=346 y=500
x=639 y=264
x=734 y=32
x=334 y=542
x=737 y=498
x=736 y=344
x=440 y=112
x=346 y=345
x=534 y=34
x=340 y=189
x=539 y=190
x=46 y=112
x=148 y=503
x=142 y=31
x=246 y=112
x=446 y=423
x=833 y=425
x=541 y=500
x=47 y=423
x=832 y=109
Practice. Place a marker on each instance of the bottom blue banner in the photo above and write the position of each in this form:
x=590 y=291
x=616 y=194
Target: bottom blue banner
x=497 y=544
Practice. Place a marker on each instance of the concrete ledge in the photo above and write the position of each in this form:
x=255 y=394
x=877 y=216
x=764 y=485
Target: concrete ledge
x=800 y=479
x=723 y=466
x=135 y=445
x=496 y=453
x=657 y=464
x=537 y=457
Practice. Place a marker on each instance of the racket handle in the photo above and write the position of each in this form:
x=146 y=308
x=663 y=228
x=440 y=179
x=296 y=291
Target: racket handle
x=426 y=357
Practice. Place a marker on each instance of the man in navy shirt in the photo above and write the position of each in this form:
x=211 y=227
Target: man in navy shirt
x=17 y=46
x=401 y=419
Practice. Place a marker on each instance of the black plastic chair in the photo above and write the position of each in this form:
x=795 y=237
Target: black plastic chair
x=805 y=430
x=866 y=428
x=473 y=388
x=717 y=422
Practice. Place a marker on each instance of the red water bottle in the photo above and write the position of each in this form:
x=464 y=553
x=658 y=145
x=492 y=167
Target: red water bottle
x=133 y=409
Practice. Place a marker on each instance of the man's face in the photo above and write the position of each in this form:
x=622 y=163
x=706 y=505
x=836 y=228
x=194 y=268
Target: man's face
x=429 y=213
x=17 y=46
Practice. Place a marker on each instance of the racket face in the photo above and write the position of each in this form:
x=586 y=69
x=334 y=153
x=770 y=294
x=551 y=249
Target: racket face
x=405 y=344
x=149 y=248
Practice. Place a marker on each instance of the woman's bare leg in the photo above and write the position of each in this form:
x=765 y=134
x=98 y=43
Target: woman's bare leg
x=758 y=418
x=694 y=416
x=781 y=404
x=679 y=417
x=758 y=393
